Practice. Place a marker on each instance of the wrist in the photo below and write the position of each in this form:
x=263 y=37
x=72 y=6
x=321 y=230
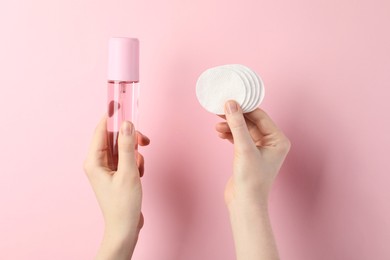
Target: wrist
x=117 y=245
x=252 y=231
x=248 y=211
x=246 y=204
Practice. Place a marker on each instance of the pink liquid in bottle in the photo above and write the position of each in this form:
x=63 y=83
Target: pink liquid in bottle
x=123 y=91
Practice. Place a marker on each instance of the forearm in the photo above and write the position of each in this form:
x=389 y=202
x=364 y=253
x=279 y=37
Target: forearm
x=252 y=232
x=117 y=248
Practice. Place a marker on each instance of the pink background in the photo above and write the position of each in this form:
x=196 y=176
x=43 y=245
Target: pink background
x=326 y=68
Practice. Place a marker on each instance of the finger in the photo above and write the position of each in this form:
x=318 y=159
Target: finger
x=226 y=136
x=225 y=133
x=141 y=221
x=142 y=139
x=263 y=122
x=222 y=127
x=238 y=127
x=98 y=146
x=126 y=150
x=141 y=164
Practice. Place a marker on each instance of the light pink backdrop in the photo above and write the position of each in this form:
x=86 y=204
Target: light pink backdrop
x=326 y=67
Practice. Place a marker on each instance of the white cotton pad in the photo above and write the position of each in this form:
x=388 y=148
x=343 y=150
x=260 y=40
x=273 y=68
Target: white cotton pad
x=236 y=82
x=253 y=88
x=248 y=84
x=260 y=91
x=257 y=89
x=217 y=85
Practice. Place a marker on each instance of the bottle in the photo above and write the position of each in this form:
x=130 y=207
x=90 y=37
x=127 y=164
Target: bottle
x=123 y=90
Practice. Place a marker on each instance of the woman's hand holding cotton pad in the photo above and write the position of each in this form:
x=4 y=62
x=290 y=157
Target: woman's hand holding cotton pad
x=236 y=82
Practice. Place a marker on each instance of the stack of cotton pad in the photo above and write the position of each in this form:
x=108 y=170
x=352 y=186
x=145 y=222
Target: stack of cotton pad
x=236 y=82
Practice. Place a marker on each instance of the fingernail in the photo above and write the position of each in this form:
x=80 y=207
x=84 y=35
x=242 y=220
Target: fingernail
x=127 y=128
x=231 y=107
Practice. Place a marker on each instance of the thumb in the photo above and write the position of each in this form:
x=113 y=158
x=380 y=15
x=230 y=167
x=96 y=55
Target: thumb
x=126 y=149
x=236 y=121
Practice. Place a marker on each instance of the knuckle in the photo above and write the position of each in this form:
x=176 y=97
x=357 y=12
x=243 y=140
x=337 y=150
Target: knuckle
x=285 y=145
x=237 y=123
x=126 y=147
x=246 y=149
x=87 y=166
x=140 y=161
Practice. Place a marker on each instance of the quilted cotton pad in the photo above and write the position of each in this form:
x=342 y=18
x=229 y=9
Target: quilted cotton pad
x=236 y=82
x=254 y=87
x=247 y=82
x=260 y=91
x=217 y=85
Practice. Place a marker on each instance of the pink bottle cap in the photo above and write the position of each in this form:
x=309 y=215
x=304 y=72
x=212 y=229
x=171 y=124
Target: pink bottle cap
x=123 y=59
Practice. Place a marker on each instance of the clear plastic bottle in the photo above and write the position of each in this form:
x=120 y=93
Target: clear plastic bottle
x=123 y=91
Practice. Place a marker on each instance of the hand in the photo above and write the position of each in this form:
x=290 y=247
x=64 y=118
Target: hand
x=119 y=193
x=259 y=151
